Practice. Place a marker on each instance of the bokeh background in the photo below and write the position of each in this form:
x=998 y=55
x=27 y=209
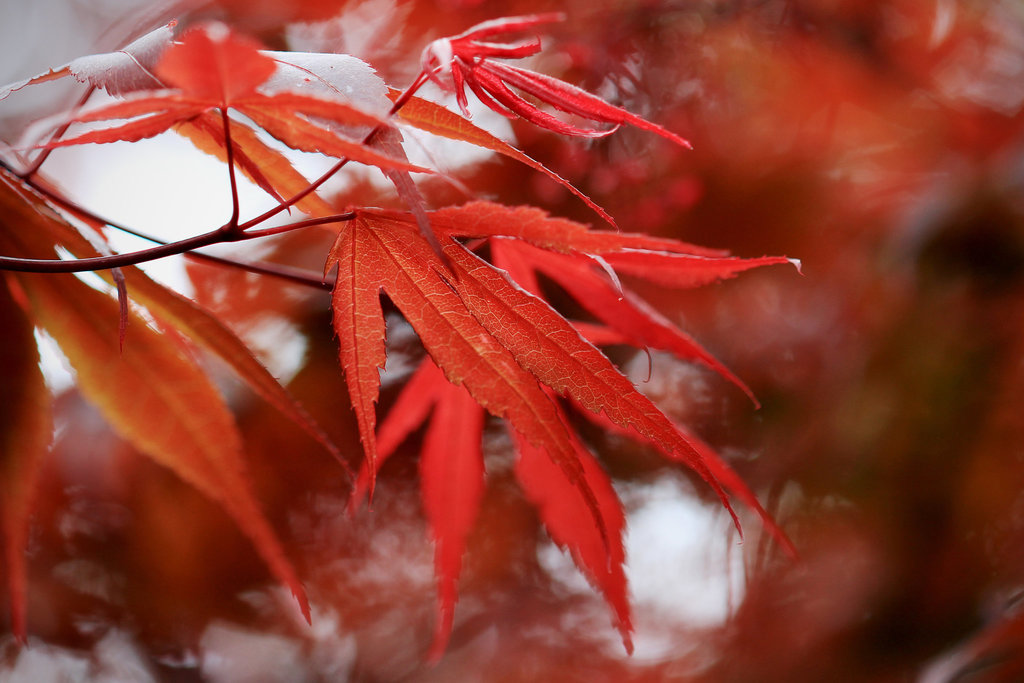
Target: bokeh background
x=880 y=142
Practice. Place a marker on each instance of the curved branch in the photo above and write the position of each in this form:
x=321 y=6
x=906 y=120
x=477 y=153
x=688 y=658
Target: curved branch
x=295 y=275
x=29 y=265
x=230 y=232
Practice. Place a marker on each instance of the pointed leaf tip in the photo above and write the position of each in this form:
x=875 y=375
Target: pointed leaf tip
x=563 y=509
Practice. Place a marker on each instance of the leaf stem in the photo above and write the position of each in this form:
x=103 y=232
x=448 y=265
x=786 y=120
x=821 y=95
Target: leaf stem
x=296 y=275
x=307 y=223
x=232 y=224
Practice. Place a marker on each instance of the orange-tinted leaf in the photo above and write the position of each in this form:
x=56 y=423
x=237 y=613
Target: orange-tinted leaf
x=319 y=108
x=159 y=400
x=26 y=426
x=206 y=133
x=563 y=512
x=265 y=166
x=159 y=115
x=300 y=134
x=437 y=120
x=213 y=63
x=142 y=104
x=152 y=392
x=202 y=328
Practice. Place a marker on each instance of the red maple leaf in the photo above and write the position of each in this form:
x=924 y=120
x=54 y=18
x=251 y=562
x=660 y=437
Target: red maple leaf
x=468 y=60
x=495 y=345
x=451 y=466
x=500 y=345
x=452 y=473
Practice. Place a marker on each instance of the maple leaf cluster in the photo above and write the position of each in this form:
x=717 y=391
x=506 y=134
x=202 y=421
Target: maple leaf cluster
x=464 y=277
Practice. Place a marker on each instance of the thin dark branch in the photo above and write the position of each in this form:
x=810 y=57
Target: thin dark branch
x=296 y=275
x=229 y=232
x=26 y=265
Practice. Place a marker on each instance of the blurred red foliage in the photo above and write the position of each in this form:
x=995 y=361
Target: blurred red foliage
x=878 y=141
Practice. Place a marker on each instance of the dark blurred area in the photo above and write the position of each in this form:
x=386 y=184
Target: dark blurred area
x=880 y=142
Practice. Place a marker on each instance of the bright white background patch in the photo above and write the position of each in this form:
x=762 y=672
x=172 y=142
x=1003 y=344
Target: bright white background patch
x=678 y=563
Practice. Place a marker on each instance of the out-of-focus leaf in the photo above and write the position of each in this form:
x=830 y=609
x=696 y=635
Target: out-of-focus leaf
x=212 y=63
x=152 y=392
x=452 y=482
x=160 y=401
x=563 y=512
x=302 y=135
x=26 y=427
x=451 y=474
x=262 y=164
x=201 y=327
